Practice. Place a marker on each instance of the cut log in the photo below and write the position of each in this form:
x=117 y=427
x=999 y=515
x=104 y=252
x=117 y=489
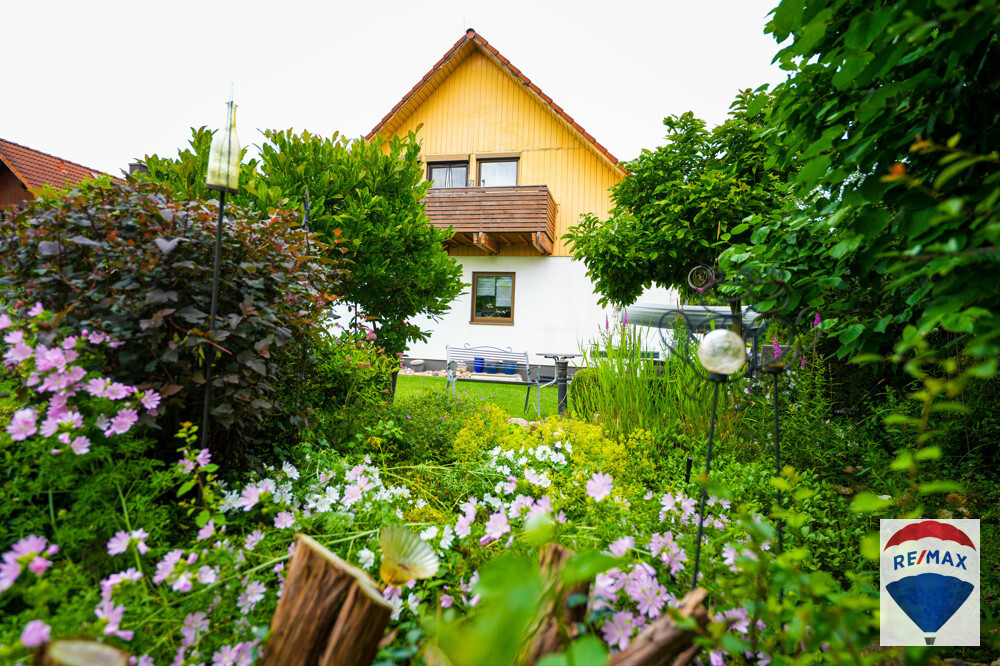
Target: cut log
x=559 y=621
x=330 y=613
x=80 y=653
x=663 y=642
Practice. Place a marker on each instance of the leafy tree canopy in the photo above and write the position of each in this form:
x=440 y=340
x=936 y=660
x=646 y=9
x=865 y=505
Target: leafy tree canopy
x=367 y=193
x=892 y=109
x=682 y=203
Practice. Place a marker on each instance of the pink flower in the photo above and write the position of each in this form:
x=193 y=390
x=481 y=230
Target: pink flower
x=23 y=424
x=352 y=494
x=446 y=601
x=122 y=422
x=80 y=445
x=622 y=546
x=206 y=531
x=166 y=565
x=5 y=321
x=816 y=321
x=251 y=596
x=36 y=309
x=496 y=526
x=203 y=458
x=18 y=353
x=253 y=539
x=249 y=498
x=618 y=630
x=207 y=575
x=194 y=625
x=97 y=387
x=284 y=520
x=182 y=583
x=118 y=391
x=9 y=571
x=39 y=565
x=599 y=486
x=150 y=400
x=35 y=633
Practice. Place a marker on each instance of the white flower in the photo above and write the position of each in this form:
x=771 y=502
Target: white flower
x=413 y=601
x=447 y=536
x=289 y=470
x=366 y=558
x=429 y=533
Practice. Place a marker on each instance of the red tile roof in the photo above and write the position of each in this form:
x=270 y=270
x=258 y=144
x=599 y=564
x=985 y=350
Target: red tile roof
x=37 y=169
x=478 y=40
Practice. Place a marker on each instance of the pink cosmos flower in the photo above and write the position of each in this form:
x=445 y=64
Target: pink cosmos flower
x=618 y=630
x=207 y=531
x=35 y=633
x=253 y=539
x=23 y=424
x=150 y=400
x=599 y=486
x=97 y=387
x=36 y=309
x=251 y=596
x=284 y=520
x=122 y=422
x=622 y=546
x=80 y=445
x=496 y=526
x=18 y=353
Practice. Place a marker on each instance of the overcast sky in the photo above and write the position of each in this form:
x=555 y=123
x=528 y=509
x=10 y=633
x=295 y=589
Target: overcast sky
x=102 y=82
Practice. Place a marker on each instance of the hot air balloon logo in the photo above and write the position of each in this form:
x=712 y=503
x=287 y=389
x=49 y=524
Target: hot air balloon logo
x=930 y=582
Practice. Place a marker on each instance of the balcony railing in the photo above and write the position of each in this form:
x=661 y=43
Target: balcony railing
x=491 y=217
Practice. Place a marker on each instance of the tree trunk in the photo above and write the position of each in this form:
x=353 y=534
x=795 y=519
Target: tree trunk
x=80 y=653
x=330 y=612
x=558 y=623
x=663 y=642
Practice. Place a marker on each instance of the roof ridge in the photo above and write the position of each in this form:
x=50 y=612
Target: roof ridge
x=55 y=157
x=472 y=36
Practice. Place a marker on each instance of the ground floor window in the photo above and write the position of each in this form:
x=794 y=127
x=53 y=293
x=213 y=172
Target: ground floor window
x=492 y=298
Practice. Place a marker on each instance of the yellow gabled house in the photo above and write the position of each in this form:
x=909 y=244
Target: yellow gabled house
x=511 y=171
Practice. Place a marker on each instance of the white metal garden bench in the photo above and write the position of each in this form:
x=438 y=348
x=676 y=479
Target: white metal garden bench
x=493 y=365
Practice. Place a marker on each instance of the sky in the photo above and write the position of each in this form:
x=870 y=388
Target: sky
x=104 y=82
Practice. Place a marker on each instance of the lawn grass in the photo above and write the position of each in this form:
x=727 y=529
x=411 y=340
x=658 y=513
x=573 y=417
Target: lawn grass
x=508 y=398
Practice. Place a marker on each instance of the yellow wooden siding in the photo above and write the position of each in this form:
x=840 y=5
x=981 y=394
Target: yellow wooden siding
x=481 y=109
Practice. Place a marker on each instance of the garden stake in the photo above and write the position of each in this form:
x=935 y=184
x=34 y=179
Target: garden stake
x=687 y=472
x=210 y=352
x=777 y=467
x=716 y=379
x=302 y=349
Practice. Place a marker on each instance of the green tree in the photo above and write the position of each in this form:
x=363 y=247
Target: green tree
x=368 y=195
x=892 y=109
x=682 y=204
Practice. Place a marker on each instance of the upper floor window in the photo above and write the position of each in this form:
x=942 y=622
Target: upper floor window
x=497 y=173
x=448 y=174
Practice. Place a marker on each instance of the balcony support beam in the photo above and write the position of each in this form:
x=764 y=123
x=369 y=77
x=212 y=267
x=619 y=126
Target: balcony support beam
x=486 y=243
x=541 y=243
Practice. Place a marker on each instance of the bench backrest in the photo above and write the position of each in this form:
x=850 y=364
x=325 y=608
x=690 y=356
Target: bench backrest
x=468 y=354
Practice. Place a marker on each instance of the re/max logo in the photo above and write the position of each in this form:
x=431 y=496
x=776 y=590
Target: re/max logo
x=933 y=557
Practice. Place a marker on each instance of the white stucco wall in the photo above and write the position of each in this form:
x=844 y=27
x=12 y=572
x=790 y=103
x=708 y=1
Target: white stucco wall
x=555 y=310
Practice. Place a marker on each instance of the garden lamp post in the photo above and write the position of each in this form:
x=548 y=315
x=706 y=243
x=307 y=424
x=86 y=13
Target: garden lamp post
x=722 y=352
x=224 y=176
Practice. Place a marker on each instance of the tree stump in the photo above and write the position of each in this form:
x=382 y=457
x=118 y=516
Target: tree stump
x=331 y=613
x=80 y=653
x=558 y=621
x=663 y=642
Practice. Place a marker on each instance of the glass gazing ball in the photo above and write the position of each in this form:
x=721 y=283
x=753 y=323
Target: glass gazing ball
x=722 y=352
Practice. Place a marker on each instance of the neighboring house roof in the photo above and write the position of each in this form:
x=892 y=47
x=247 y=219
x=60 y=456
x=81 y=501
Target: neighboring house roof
x=39 y=170
x=447 y=64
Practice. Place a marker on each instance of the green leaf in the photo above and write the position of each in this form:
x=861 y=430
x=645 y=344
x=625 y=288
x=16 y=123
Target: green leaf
x=870 y=547
x=586 y=566
x=868 y=502
x=787 y=18
x=186 y=487
x=940 y=487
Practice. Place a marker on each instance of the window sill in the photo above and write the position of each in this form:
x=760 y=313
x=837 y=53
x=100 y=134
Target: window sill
x=487 y=322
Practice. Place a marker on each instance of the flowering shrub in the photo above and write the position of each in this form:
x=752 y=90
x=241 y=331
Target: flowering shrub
x=128 y=261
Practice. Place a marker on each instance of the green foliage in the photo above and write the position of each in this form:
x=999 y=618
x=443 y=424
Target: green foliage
x=892 y=109
x=485 y=429
x=682 y=204
x=370 y=193
x=131 y=262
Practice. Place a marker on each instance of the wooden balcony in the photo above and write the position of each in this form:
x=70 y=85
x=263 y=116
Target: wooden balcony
x=492 y=217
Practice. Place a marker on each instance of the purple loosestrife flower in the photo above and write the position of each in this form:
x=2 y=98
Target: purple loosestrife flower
x=599 y=486
x=35 y=633
x=607 y=323
x=816 y=320
x=777 y=348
